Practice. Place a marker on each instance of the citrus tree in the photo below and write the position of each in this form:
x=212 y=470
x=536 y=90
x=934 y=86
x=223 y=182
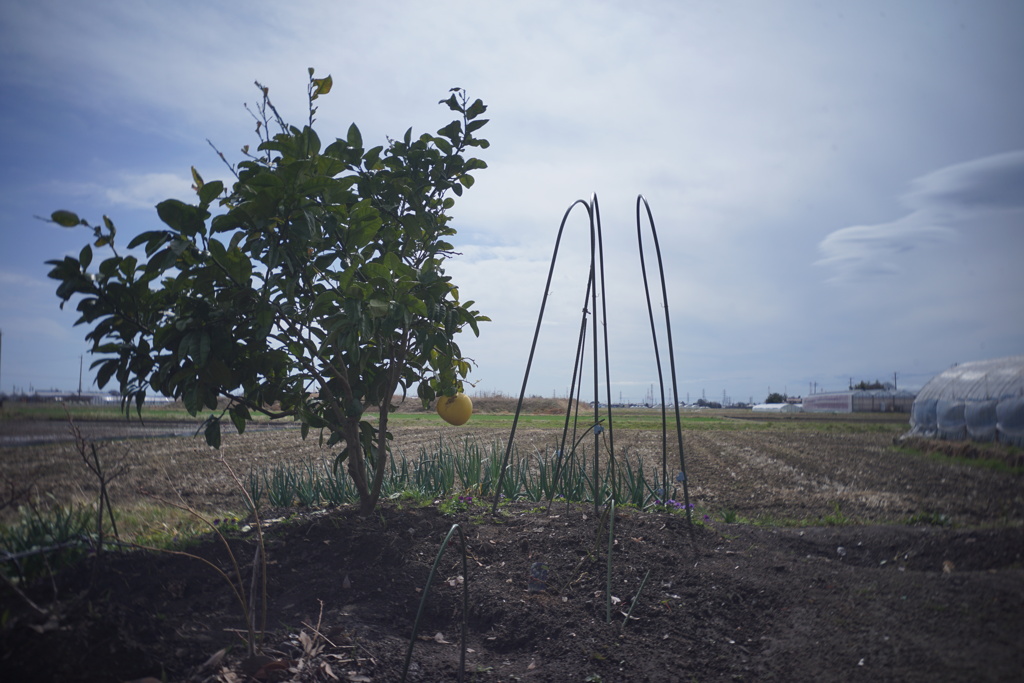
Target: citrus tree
x=313 y=289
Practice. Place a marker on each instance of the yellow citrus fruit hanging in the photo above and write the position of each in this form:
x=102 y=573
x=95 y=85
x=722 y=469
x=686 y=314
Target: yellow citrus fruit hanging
x=455 y=409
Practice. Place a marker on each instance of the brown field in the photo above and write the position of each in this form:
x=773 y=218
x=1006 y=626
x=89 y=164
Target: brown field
x=851 y=560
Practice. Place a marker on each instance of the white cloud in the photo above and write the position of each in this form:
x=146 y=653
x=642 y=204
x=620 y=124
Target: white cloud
x=20 y=282
x=869 y=251
x=990 y=183
x=146 y=190
x=949 y=205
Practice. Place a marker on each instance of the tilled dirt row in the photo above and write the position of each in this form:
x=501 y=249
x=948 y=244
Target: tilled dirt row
x=796 y=474
x=858 y=476
x=714 y=601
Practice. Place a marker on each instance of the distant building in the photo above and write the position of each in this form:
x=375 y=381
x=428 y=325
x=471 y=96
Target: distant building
x=92 y=397
x=777 y=408
x=869 y=401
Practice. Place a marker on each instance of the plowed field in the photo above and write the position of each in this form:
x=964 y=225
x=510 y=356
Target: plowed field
x=827 y=555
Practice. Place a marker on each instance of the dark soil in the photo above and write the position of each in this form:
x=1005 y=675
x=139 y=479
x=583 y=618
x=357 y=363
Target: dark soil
x=859 y=592
x=729 y=602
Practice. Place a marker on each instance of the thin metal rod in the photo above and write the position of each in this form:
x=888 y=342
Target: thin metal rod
x=577 y=372
x=533 y=346
x=671 y=353
x=607 y=366
x=426 y=592
x=593 y=341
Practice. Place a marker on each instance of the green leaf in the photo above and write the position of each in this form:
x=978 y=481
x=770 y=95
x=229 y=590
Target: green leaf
x=106 y=371
x=190 y=399
x=325 y=303
x=212 y=432
x=85 y=256
x=453 y=131
x=341 y=457
x=66 y=219
x=210 y=191
x=452 y=102
x=186 y=219
x=322 y=86
x=443 y=145
x=476 y=109
x=355 y=139
x=239 y=416
x=372 y=157
x=238 y=266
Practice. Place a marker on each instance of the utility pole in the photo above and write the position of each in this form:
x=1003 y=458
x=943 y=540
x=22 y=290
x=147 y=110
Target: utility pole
x=80 y=374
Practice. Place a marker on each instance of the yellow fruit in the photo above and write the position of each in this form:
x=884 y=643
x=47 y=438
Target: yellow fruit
x=455 y=409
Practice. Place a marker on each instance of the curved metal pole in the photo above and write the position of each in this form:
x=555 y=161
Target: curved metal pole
x=426 y=592
x=593 y=341
x=533 y=346
x=657 y=358
x=607 y=366
x=577 y=369
x=671 y=353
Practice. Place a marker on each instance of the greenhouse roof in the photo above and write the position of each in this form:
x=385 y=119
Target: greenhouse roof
x=978 y=381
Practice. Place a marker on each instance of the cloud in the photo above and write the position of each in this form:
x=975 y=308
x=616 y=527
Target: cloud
x=944 y=205
x=994 y=182
x=20 y=282
x=146 y=190
x=867 y=251
x=125 y=189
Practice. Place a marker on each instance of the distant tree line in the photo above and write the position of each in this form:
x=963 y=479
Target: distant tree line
x=871 y=386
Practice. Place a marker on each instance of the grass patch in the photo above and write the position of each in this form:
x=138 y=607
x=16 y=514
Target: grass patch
x=650 y=420
x=1000 y=463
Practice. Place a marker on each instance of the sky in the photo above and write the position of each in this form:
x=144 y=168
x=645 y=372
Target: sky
x=838 y=188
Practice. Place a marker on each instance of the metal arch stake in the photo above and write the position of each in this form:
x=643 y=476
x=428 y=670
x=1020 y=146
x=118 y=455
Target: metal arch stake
x=426 y=592
x=536 y=336
x=596 y=271
x=641 y=200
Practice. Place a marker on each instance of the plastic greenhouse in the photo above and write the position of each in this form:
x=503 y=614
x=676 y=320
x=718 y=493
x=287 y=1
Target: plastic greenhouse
x=981 y=401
